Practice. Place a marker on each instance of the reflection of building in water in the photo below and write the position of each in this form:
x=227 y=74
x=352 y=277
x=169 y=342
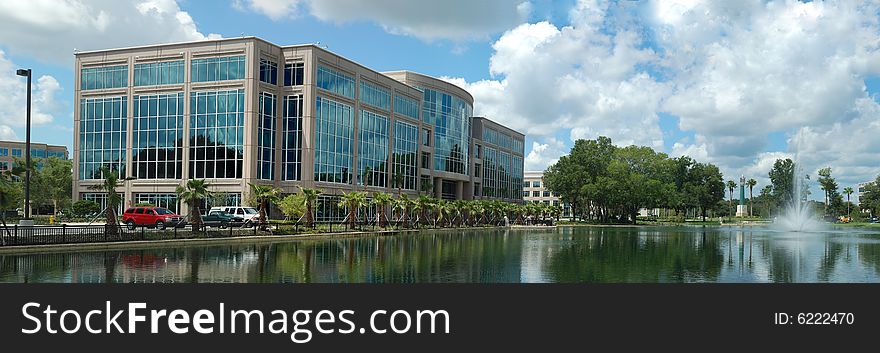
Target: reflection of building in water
x=537 y=248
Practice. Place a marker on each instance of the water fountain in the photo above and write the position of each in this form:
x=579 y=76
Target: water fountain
x=799 y=217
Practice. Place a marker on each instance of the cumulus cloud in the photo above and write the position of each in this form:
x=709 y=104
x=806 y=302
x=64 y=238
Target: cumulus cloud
x=428 y=20
x=45 y=90
x=50 y=30
x=544 y=154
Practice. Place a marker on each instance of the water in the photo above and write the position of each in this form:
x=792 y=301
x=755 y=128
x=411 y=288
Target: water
x=798 y=216
x=566 y=254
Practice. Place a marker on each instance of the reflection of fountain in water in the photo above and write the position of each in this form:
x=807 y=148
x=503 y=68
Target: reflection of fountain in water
x=799 y=217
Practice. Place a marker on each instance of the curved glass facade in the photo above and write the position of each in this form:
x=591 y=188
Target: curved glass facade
x=157 y=134
x=451 y=118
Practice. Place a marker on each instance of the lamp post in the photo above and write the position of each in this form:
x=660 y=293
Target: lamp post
x=27 y=146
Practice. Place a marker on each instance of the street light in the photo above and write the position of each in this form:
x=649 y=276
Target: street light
x=27 y=146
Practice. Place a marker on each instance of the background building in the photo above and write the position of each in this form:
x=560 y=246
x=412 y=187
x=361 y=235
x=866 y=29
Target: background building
x=12 y=150
x=534 y=190
x=860 y=191
x=243 y=110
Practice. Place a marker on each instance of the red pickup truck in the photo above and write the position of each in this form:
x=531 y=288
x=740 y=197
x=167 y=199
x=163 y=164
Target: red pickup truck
x=158 y=217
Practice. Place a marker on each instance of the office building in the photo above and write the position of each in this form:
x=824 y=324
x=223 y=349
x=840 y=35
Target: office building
x=534 y=190
x=243 y=110
x=12 y=150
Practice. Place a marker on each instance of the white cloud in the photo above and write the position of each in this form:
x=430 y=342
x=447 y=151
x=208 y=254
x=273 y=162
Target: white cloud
x=274 y=9
x=50 y=30
x=7 y=134
x=544 y=154
x=13 y=100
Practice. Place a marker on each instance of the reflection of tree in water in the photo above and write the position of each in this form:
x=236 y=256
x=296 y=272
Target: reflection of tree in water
x=830 y=258
x=621 y=256
x=869 y=255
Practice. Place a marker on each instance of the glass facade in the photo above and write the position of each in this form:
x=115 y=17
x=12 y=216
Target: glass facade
x=292 y=136
x=4 y=152
x=451 y=118
x=266 y=136
x=160 y=73
x=335 y=81
x=102 y=135
x=372 y=149
x=218 y=69
x=101 y=199
x=502 y=174
x=333 y=144
x=375 y=96
x=268 y=71
x=216 y=134
x=58 y=154
x=406 y=106
x=405 y=158
x=104 y=77
x=502 y=140
x=166 y=200
x=327 y=209
x=294 y=74
x=16 y=152
x=157 y=136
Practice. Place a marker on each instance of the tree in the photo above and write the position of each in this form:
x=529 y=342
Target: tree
x=871 y=199
x=109 y=184
x=192 y=193
x=310 y=196
x=402 y=205
x=751 y=184
x=782 y=178
x=293 y=206
x=264 y=194
x=730 y=186
x=829 y=186
x=423 y=206
x=848 y=191
x=10 y=198
x=84 y=208
x=353 y=201
x=381 y=200
x=56 y=182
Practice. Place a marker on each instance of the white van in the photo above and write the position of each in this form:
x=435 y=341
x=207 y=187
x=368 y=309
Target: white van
x=249 y=214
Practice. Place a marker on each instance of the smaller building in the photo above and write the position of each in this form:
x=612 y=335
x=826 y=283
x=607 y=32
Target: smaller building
x=860 y=191
x=534 y=190
x=12 y=150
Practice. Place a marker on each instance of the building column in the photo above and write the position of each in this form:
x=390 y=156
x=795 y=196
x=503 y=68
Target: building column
x=459 y=190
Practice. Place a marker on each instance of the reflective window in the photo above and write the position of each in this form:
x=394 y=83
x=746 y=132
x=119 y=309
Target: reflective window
x=16 y=152
x=100 y=198
x=525 y=194
x=406 y=106
x=59 y=154
x=334 y=146
x=372 y=149
x=168 y=201
x=502 y=140
x=375 y=96
x=536 y=194
x=426 y=160
x=502 y=174
x=102 y=137
x=266 y=136
x=268 y=71
x=4 y=152
x=292 y=131
x=160 y=73
x=218 y=69
x=536 y=184
x=426 y=137
x=157 y=136
x=335 y=81
x=451 y=118
x=293 y=74
x=216 y=134
x=327 y=209
x=104 y=77
x=37 y=153
x=406 y=146
x=546 y=194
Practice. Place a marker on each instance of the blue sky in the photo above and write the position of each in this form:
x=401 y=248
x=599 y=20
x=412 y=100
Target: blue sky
x=730 y=83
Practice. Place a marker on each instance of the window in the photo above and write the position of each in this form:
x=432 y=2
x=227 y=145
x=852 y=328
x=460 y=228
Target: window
x=546 y=194
x=406 y=106
x=16 y=152
x=335 y=81
x=102 y=136
x=426 y=137
x=426 y=160
x=4 y=152
x=38 y=153
x=526 y=194
x=59 y=154
x=159 y=73
x=217 y=69
x=536 y=194
x=104 y=77
x=527 y=184
x=168 y=201
x=291 y=144
x=536 y=184
x=477 y=171
x=451 y=119
x=293 y=74
x=266 y=137
x=268 y=71
x=477 y=151
x=4 y=165
x=372 y=149
x=375 y=96
x=157 y=136
x=405 y=158
x=98 y=197
x=334 y=141
x=216 y=134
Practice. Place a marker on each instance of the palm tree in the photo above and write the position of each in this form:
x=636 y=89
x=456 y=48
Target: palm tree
x=353 y=201
x=751 y=184
x=479 y=209
x=192 y=193
x=310 y=196
x=848 y=191
x=730 y=186
x=400 y=206
x=382 y=200
x=264 y=194
x=109 y=185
